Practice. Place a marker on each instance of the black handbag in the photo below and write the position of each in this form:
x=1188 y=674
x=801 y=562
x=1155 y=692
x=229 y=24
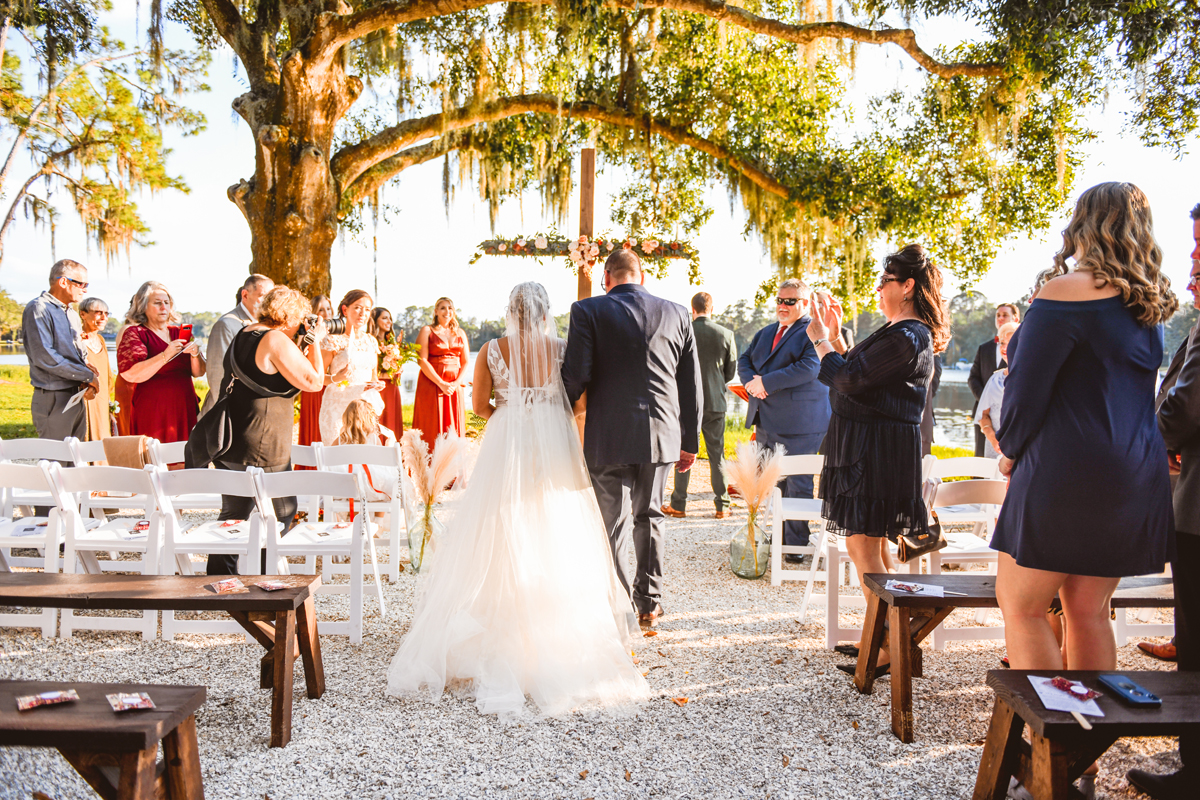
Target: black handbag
x=212 y=436
x=915 y=545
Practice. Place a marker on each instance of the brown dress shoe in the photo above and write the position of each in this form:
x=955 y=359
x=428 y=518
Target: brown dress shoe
x=1163 y=652
x=671 y=512
x=721 y=514
x=651 y=620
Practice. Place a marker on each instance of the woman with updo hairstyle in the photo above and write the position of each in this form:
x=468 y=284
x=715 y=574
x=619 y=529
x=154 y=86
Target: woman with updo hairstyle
x=266 y=352
x=1089 y=497
x=438 y=405
x=310 y=402
x=871 y=481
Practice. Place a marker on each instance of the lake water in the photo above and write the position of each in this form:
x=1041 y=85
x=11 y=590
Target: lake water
x=952 y=411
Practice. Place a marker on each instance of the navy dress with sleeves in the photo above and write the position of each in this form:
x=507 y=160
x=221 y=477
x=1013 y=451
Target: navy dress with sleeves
x=871 y=481
x=1089 y=492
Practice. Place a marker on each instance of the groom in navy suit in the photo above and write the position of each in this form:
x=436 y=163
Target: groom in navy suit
x=787 y=404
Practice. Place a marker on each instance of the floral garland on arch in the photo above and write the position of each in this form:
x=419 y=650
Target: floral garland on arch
x=584 y=249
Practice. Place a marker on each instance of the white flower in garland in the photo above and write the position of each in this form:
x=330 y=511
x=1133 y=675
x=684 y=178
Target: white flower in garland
x=649 y=246
x=520 y=242
x=540 y=243
x=594 y=251
x=502 y=247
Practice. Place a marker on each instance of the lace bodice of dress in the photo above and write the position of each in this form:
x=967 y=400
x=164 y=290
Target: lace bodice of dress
x=507 y=393
x=359 y=350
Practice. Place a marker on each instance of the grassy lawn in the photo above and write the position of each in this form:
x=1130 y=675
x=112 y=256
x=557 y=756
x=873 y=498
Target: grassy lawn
x=16 y=394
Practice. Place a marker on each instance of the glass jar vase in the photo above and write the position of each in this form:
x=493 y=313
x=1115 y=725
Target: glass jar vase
x=424 y=531
x=749 y=550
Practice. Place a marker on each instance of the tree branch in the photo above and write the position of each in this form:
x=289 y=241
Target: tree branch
x=250 y=49
x=343 y=29
x=351 y=163
x=374 y=178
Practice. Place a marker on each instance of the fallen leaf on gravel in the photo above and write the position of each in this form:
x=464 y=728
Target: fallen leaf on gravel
x=821 y=672
x=679 y=701
x=644 y=674
x=804 y=768
x=661 y=653
x=40 y=796
x=648 y=634
x=628 y=775
x=855 y=723
x=786 y=761
x=779 y=661
x=583 y=774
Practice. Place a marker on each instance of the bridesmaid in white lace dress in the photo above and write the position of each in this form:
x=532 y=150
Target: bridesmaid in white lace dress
x=352 y=358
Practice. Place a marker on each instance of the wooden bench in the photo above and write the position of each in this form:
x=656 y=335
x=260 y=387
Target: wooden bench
x=911 y=618
x=117 y=754
x=1059 y=749
x=279 y=620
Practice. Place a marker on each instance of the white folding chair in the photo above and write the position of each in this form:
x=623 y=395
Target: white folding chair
x=31 y=450
x=93 y=505
x=115 y=535
x=327 y=539
x=794 y=508
x=308 y=455
x=966 y=548
x=181 y=540
x=838 y=560
x=385 y=478
x=41 y=533
x=981 y=515
x=162 y=455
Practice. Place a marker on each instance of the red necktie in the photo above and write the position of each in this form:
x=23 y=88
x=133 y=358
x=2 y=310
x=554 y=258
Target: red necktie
x=778 y=335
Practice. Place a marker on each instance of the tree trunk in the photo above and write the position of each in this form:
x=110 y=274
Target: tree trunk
x=291 y=202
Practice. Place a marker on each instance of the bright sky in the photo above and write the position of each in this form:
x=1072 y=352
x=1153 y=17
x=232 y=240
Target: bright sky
x=202 y=249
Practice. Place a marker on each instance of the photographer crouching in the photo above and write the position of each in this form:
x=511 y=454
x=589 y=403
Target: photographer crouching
x=267 y=363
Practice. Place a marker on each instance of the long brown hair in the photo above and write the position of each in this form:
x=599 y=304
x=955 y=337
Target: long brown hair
x=352 y=297
x=360 y=423
x=1112 y=234
x=913 y=262
x=373 y=325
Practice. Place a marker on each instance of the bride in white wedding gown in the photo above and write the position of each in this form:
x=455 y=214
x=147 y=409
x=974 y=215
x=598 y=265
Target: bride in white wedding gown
x=522 y=599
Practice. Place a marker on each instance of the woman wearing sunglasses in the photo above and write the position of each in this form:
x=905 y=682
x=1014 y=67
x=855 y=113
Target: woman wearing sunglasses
x=871 y=483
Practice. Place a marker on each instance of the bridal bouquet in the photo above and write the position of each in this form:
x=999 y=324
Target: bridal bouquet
x=754 y=472
x=430 y=474
x=393 y=355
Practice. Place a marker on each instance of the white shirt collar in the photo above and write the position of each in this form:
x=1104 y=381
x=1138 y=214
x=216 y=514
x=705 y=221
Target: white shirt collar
x=246 y=311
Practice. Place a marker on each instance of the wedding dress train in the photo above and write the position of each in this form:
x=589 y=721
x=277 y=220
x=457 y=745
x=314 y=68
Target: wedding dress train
x=522 y=599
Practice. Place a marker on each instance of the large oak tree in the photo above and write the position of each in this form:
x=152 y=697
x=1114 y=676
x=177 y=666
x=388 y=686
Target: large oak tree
x=345 y=95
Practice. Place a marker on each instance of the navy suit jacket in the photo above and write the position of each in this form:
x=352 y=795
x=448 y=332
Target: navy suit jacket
x=796 y=403
x=635 y=354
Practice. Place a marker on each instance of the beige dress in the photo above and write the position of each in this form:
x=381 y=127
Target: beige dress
x=98 y=418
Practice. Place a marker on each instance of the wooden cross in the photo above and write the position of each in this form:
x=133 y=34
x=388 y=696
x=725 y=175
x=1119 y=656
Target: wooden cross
x=663 y=248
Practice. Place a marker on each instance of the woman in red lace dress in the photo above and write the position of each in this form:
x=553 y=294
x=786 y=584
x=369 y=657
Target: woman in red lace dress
x=164 y=400
x=310 y=402
x=381 y=328
x=438 y=406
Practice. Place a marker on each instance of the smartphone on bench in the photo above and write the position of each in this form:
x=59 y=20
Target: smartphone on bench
x=1130 y=691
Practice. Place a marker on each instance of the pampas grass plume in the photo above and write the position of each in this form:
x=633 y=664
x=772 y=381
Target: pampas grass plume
x=448 y=453
x=755 y=471
x=416 y=458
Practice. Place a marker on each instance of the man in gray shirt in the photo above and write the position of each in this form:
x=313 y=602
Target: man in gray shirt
x=57 y=367
x=249 y=297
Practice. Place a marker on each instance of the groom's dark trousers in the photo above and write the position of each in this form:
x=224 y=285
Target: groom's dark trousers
x=635 y=355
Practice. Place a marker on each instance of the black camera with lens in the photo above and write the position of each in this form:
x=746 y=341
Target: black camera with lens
x=333 y=327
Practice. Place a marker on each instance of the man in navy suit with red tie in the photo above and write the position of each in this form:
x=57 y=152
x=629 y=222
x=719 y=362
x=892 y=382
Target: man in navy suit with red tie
x=787 y=404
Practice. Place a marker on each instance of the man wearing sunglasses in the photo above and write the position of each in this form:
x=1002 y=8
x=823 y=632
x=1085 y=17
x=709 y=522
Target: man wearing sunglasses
x=57 y=367
x=787 y=404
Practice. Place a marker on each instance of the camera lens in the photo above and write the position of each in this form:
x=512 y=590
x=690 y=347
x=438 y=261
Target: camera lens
x=335 y=327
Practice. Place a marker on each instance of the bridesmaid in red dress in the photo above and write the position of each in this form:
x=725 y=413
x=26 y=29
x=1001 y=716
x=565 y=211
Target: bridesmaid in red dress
x=164 y=399
x=310 y=402
x=439 y=403
x=381 y=328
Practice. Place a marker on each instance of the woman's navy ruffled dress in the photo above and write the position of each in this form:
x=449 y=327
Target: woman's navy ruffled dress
x=871 y=482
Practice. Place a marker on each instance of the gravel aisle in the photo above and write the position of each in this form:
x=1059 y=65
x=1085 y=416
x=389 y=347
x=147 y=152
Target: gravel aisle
x=767 y=715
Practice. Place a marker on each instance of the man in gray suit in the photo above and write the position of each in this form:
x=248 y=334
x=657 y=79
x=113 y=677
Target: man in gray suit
x=635 y=355
x=718 y=365
x=1179 y=421
x=57 y=368
x=249 y=298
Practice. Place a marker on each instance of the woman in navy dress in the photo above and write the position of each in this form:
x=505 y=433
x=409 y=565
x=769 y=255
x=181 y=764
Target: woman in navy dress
x=1089 y=500
x=871 y=481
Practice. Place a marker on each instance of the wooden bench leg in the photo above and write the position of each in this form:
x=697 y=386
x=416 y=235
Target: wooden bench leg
x=284 y=659
x=181 y=751
x=310 y=648
x=902 y=662
x=999 y=753
x=868 y=646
